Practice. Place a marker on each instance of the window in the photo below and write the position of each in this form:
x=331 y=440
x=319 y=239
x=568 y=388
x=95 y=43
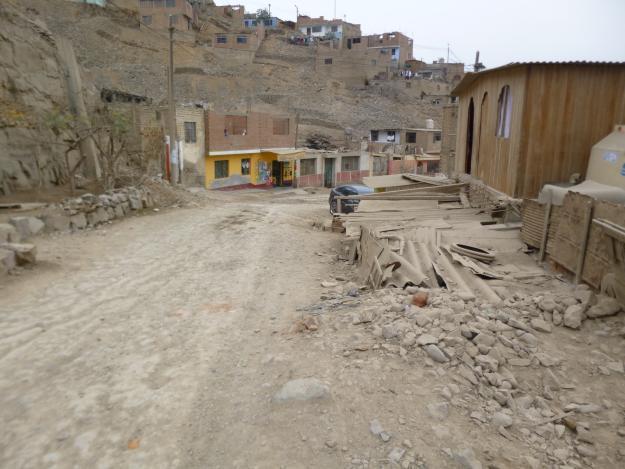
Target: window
x=281 y=126
x=221 y=169
x=241 y=39
x=504 y=112
x=328 y=61
x=437 y=137
x=375 y=135
x=335 y=29
x=390 y=136
x=356 y=40
x=411 y=137
x=235 y=125
x=268 y=22
x=246 y=164
x=374 y=62
x=147 y=20
x=222 y=40
x=316 y=29
x=383 y=51
x=308 y=167
x=350 y=163
x=189 y=132
x=170 y=3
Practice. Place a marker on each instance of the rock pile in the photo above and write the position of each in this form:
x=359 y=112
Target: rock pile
x=13 y=251
x=503 y=372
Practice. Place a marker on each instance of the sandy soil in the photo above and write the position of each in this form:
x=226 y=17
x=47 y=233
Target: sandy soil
x=160 y=340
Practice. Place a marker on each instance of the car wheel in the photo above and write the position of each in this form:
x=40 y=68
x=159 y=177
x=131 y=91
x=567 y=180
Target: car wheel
x=333 y=207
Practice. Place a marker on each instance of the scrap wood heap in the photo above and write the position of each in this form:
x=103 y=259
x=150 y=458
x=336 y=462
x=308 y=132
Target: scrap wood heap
x=431 y=236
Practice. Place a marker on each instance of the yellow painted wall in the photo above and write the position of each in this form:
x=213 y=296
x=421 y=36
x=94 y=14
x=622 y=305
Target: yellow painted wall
x=260 y=168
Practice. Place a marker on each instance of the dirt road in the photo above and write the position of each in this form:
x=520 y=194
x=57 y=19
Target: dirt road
x=156 y=341
x=160 y=341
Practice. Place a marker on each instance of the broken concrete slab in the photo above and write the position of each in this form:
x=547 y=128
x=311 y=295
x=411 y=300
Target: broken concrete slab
x=24 y=253
x=605 y=306
x=27 y=226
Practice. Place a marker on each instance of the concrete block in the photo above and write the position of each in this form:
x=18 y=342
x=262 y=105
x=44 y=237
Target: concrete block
x=24 y=253
x=27 y=226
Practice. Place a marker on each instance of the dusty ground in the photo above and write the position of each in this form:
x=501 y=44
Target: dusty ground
x=160 y=340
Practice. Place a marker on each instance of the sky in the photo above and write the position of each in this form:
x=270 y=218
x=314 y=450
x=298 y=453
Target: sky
x=503 y=31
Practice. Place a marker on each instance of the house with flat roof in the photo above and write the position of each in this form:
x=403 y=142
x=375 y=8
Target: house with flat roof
x=242 y=150
x=396 y=150
x=324 y=28
x=156 y=13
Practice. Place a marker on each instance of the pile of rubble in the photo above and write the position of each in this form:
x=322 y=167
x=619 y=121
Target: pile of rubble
x=14 y=251
x=501 y=364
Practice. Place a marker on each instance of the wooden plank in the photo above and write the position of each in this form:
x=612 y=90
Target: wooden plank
x=545 y=234
x=582 y=250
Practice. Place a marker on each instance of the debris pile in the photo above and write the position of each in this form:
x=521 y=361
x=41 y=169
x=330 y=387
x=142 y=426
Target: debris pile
x=498 y=366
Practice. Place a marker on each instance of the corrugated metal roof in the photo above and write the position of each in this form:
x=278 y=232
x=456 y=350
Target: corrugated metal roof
x=471 y=77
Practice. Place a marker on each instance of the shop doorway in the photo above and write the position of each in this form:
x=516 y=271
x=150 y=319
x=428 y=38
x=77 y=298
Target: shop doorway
x=328 y=172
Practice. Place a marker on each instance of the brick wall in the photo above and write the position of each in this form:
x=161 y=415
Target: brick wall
x=155 y=14
x=259 y=132
x=344 y=177
x=313 y=180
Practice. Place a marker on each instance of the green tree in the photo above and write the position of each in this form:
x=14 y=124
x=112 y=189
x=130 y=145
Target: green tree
x=263 y=14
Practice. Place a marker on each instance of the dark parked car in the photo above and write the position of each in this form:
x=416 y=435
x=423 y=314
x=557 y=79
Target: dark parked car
x=347 y=205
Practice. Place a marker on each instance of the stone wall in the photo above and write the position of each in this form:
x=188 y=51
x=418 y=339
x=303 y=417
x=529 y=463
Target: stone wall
x=91 y=210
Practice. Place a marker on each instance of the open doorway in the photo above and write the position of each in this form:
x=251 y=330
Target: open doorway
x=328 y=172
x=482 y=131
x=469 y=149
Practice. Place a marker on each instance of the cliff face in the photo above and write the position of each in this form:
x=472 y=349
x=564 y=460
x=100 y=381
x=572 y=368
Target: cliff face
x=31 y=84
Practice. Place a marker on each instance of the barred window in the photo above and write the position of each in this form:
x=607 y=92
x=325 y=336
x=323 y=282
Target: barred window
x=308 y=167
x=236 y=125
x=190 y=132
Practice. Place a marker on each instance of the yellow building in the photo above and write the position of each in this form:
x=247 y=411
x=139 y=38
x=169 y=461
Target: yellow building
x=243 y=150
x=248 y=169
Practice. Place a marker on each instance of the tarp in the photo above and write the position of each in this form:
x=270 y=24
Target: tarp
x=556 y=194
x=289 y=155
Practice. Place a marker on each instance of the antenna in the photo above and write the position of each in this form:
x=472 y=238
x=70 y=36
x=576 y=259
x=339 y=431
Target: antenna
x=334 y=9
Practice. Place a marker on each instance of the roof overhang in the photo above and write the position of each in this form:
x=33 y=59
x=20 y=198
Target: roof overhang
x=277 y=151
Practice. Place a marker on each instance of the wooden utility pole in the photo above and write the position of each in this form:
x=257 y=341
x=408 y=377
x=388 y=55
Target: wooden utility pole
x=173 y=140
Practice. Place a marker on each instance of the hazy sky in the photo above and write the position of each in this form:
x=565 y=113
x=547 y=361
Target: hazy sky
x=502 y=30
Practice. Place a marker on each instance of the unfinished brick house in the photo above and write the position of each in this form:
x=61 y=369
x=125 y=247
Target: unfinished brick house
x=365 y=57
x=242 y=150
x=396 y=151
x=248 y=40
x=323 y=28
x=156 y=13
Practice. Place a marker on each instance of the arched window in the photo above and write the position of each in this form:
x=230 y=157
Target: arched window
x=504 y=112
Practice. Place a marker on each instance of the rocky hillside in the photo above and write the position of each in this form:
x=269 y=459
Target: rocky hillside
x=114 y=52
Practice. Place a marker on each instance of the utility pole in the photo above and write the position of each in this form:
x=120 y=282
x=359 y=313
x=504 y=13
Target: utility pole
x=173 y=141
x=447 y=52
x=334 y=9
x=297 y=12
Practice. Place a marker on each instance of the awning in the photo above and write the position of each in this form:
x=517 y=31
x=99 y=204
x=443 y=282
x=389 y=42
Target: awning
x=289 y=155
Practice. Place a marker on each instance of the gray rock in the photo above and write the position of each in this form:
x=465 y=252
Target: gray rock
x=55 y=219
x=485 y=339
x=7 y=260
x=518 y=324
x=573 y=316
x=135 y=202
x=302 y=390
x=501 y=419
x=548 y=305
x=389 y=331
x=78 y=221
x=27 y=226
x=376 y=428
x=8 y=234
x=586 y=451
x=426 y=339
x=438 y=410
x=605 y=306
x=557 y=318
x=435 y=353
x=540 y=325
x=396 y=454
x=466 y=459
x=24 y=253
x=488 y=362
